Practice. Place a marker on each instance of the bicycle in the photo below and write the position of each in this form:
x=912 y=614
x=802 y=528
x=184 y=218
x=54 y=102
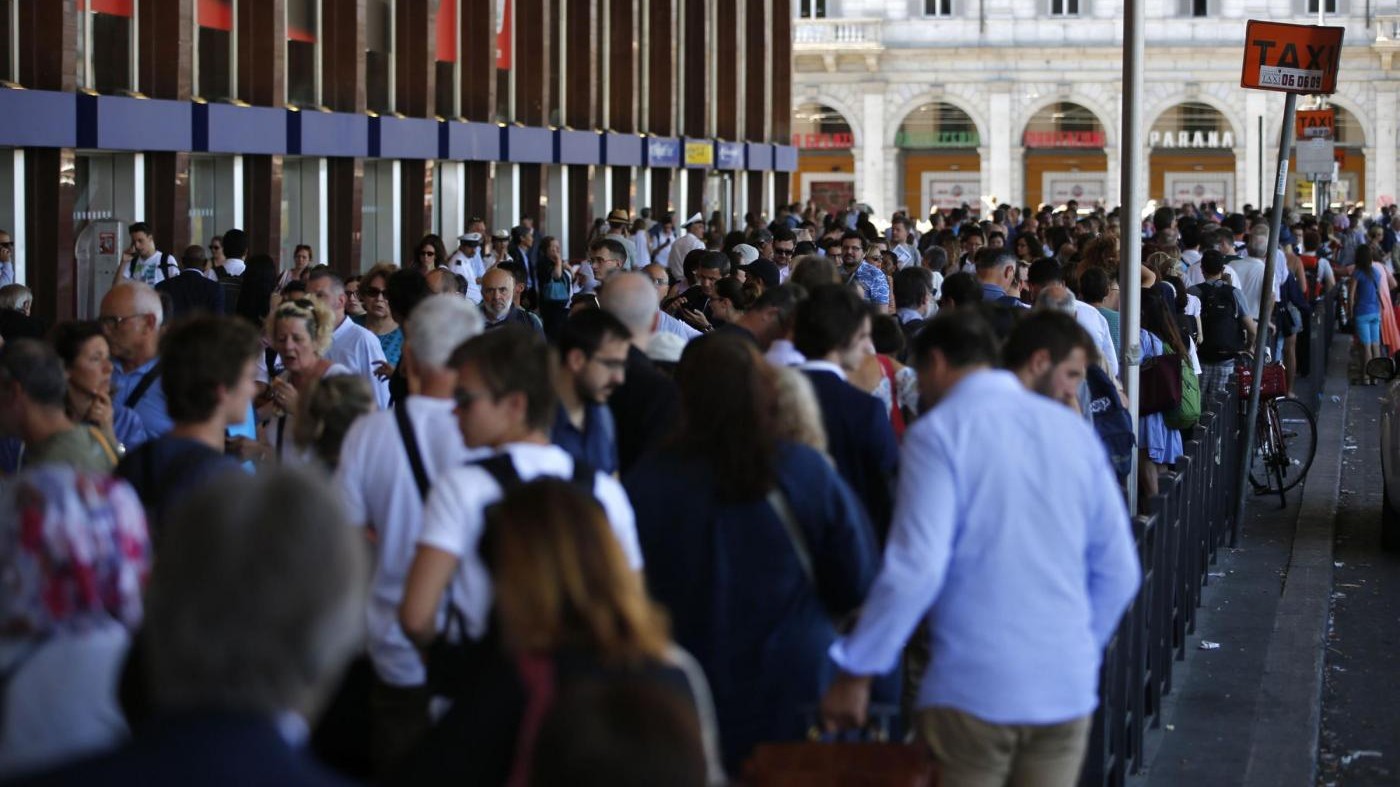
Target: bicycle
x=1285 y=433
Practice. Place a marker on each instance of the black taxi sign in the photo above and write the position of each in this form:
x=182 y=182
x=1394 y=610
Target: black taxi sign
x=1291 y=58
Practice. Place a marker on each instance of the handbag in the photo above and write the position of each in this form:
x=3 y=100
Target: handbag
x=868 y=760
x=1186 y=414
x=1160 y=383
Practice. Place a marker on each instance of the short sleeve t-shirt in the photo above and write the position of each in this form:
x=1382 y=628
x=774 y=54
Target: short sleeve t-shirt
x=168 y=469
x=83 y=448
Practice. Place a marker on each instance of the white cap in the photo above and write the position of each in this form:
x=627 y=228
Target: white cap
x=470 y=237
x=747 y=253
x=695 y=218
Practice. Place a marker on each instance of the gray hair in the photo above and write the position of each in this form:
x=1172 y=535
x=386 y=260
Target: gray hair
x=631 y=298
x=439 y=325
x=1056 y=298
x=145 y=298
x=1257 y=244
x=15 y=297
x=257 y=601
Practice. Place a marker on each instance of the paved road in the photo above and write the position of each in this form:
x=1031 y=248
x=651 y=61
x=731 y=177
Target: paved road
x=1360 y=741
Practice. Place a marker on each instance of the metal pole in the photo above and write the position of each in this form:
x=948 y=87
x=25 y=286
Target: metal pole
x=1130 y=222
x=1266 y=308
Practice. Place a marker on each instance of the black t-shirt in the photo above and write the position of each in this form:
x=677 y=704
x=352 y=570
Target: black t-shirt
x=166 y=470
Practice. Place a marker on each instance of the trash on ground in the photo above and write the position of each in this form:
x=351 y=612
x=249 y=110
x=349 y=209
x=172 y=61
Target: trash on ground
x=1171 y=728
x=1338 y=564
x=1216 y=574
x=1352 y=756
x=1336 y=398
x=1208 y=645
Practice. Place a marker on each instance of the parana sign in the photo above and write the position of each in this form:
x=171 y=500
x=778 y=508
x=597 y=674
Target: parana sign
x=1191 y=139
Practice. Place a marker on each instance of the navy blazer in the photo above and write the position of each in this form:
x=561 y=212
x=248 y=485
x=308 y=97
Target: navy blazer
x=646 y=409
x=190 y=293
x=861 y=441
x=210 y=750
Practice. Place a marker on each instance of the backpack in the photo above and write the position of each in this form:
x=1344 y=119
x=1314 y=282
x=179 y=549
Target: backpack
x=1112 y=421
x=1186 y=324
x=1188 y=413
x=1222 y=325
x=1313 y=290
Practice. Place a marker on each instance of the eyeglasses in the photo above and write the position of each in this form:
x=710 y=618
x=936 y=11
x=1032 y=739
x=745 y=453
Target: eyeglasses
x=465 y=398
x=661 y=282
x=370 y=293
x=110 y=323
x=7 y=245
x=427 y=253
x=779 y=251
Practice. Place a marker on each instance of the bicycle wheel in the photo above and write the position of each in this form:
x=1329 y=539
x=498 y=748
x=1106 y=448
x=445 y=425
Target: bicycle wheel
x=1265 y=456
x=1298 y=441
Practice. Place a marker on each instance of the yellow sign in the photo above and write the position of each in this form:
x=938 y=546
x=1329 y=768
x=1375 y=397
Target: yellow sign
x=699 y=154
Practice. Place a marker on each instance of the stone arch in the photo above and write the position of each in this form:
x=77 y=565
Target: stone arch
x=1237 y=124
x=897 y=118
x=1110 y=130
x=852 y=119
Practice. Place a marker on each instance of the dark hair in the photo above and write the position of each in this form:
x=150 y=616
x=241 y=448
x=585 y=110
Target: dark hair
x=324 y=273
x=612 y=245
x=962 y=288
x=1179 y=286
x=1094 y=285
x=404 y=289
x=68 y=338
x=1221 y=235
x=1161 y=219
x=738 y=295
x=911 y=285
x=713 y=261
x=619 y=732
x=964 y=336
x=193 y=258
x=885 y=332
x=258 y=281
x=1044 y=271
x=1212 y=262
x=140 y=226
x=989 y=258
x=299 y=247
x=781 y=232
x=784 y=299
x=36 y=367
x=511 y=359
x=1236 y=223
x=829 y=319
x=587 y=330
x=235 y=244
x=729 y=406
x=852 y=235
x=813 y=271
x=439 y=250
x=1046 y=329
x=971 y=231
x=1157 y=319
x=1362 y=262
x=197 y=356
x=1311 y=240
x=1190 y=233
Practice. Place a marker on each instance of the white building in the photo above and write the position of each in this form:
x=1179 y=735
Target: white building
x=913 y=103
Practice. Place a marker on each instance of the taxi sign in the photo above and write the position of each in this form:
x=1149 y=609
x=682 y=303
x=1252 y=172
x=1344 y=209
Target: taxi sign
x=1315 y=124
x=1291 y=58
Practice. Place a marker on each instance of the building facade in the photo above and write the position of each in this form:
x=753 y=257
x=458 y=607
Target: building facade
x=358 y=126
x=912 y=104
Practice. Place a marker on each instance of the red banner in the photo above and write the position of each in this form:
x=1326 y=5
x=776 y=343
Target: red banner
x=113 y=7
x=216 y=15
x=447 y=32
x=824 y=141
x=1064 y=139
x=503 y=22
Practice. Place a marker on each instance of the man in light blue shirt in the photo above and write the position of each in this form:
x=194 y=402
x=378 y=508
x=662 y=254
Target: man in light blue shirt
x=131 y=316
x=1011 y=538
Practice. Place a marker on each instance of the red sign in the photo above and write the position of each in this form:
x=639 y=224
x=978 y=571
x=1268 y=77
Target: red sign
x=1315 y=124
x=1340 y=154
x=1291 y=58
x=837 y=141
x=1064 y=139
x=447 y=32
x=503 y=20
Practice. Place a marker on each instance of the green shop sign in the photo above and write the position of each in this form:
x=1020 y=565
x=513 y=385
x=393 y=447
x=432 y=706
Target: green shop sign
x=936 y=139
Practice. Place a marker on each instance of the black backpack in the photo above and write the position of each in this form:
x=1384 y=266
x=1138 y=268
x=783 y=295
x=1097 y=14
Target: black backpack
x=1222 y=325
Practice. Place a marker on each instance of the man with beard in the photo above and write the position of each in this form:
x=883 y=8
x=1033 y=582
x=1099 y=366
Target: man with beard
x=592 y=363
x=1049 y=352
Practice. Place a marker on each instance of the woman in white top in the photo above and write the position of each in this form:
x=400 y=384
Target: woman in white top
x=301 y=334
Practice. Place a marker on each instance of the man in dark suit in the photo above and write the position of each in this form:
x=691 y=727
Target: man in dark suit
x=191 y=291
x=251 y=616
x=15 y=320
x=832 y=330
x=646 y=407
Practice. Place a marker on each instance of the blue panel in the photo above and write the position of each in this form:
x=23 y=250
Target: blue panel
x=143 y=124
x=580 y=147
x=760 y=156
x=251 y=130
x=729 y=155
x=333 y=134
x=623 y=150
x=47 y=119
x=663 y=152
x=530 y=145
x=473 y=141
x=409 y=138
x=785 y=158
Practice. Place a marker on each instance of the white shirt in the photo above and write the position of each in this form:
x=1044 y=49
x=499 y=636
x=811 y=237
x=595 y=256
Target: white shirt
x=683 y=246
x=905 y=255
x=234 y=266
x=149 y=270
x=1249 y=273
x=782 y=352
x=7 y=273
x=471 y=268
x=378 y=489
x=639 y=242
x=453 y=522
x=358 y=349
x=1093 y=321
x=659 y=246
x=669 y=324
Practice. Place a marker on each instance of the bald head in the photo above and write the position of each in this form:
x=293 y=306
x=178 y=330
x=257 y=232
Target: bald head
x=631 y=298
x=660 y=279
x=497 y=293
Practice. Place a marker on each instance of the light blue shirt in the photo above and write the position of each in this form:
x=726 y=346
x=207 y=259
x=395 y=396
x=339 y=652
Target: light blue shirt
x=1011 y=537
x=151 y=407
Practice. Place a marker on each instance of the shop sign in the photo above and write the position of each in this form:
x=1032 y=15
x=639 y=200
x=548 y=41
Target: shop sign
x=1315 y=124
x=833 y=141
x=1291 y=58
x=730 y=155
x=1191 y=139
x=699 y=154
x=1064 y=139
x=936 y=139
x=663 y=152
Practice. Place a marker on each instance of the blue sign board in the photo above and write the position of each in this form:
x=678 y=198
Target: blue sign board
x=729 y=155
x=663 y=152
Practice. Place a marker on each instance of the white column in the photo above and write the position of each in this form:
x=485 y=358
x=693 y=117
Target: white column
x=1380 y=177
x=17 y=234
x=877 y=187
x=893 y=194
x=1113 y=194
x=996 y=161
x=1255 y=107
x=1017 y=167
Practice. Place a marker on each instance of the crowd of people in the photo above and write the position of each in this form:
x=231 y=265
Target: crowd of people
x=499 y=517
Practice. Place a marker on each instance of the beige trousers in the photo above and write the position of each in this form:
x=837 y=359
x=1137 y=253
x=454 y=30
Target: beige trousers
x=975 y=753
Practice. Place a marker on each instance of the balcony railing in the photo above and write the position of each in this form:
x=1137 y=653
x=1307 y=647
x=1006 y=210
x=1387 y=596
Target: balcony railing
x=1387 y=29
x=838 y=34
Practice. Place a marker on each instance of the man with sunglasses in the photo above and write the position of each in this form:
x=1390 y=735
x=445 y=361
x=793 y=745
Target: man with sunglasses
x=784 y=246
x=352 y=346
x=7 y=259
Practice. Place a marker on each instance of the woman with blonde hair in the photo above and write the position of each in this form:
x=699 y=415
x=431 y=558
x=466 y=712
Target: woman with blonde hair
x=301 y=335
x=569 y=610
x=331 y=406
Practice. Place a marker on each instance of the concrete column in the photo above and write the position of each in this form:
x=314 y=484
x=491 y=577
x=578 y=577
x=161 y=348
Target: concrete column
x=878 y=180
x=1380 y=177
x=893 y=194
x=1255 y=106
x=1114 y=191
x=996 y=161
x=984 y=182
x=1016 y=165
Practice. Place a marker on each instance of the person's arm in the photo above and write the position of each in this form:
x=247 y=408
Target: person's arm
x=427 y=579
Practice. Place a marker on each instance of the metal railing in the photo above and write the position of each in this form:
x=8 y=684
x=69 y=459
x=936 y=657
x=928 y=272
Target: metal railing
x=1177 y=540
x=836 y=33
x=1387 y=29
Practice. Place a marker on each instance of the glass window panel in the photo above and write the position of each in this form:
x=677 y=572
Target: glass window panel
x=379 y=52
x=302 y=24
x=937 y=125
x=211 y=196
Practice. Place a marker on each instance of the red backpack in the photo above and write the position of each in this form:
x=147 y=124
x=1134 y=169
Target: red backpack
x=1314 y=287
